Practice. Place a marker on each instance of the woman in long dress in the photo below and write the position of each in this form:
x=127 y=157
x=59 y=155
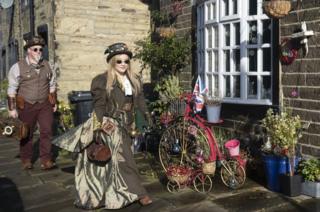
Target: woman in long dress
x=116 y=93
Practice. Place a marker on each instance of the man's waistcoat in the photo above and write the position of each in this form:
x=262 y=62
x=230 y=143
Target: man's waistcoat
x=33 y=85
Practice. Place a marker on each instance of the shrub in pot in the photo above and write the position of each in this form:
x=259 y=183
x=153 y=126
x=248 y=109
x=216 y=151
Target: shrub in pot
x=310 y=171
x=283 y=130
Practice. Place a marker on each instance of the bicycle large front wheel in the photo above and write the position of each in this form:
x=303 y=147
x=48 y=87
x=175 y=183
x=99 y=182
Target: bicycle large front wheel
x=183 y=144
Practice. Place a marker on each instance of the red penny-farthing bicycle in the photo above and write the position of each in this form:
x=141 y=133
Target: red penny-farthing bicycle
x=188 y=153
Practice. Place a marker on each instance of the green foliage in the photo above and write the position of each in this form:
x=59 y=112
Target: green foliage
x=310 y=169
x=222 y=135
x=161 y=18
x=168 y=88
x=65 y=116
x=168 y=56
x=283 y=130
x=3 y=89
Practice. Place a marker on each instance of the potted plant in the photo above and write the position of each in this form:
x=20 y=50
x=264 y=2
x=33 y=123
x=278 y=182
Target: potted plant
x=310 y=171
x=163 y=23
x=283 y=131
x=166 y=58
x=213 y=106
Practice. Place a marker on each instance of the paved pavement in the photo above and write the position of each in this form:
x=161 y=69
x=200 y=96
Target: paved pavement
x=53 y=191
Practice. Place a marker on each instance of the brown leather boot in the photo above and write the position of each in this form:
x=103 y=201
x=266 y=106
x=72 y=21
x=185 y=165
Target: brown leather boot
x=48 y=164
x=26 y=164
x=145 y=200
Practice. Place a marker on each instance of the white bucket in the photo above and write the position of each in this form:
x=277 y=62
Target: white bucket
x=213 y=113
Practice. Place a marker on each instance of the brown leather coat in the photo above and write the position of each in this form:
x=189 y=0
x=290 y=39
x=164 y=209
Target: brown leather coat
x=117 y=105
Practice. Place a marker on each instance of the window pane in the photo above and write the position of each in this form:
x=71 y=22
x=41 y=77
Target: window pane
x=266 y=87
x=213 y=10
x=236 y=88
x=227 y=89
x=216 y=61
x=235 y=6
x=227 y=60
x=237 y=30
x=226 y=7
x=216 y=86
x=227 y=34
x=253 y=32
x=209 y=61
x=209 y=39
x=210 y=83
x=252 y=87
x=216 y=37
x=266 y=36
x=253 y=7
x=252 y=54
x=237 y=59
x=208 y=11
x=266 y=59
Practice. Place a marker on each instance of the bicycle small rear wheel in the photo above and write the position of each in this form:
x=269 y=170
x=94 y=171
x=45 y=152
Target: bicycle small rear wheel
x=202 y=183
x=173 y=187
x=233 y=174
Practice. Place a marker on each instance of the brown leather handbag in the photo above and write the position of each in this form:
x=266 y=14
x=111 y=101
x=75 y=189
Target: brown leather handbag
x=98 y=151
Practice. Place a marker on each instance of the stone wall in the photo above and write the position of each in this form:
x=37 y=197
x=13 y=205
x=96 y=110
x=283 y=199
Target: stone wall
x=303 y=75
x=185 y=26
x=83 y=29
x=78 y=33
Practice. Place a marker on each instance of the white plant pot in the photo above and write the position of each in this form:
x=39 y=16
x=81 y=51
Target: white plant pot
x=311 y=188
x=213 y=113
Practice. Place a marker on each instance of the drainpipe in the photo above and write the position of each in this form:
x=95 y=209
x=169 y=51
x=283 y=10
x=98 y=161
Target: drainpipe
x=31 y=9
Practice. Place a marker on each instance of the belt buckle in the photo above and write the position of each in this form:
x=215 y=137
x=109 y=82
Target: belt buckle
x=127 y=106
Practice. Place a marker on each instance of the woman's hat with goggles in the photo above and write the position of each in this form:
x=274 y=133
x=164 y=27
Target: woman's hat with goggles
x=117 y=48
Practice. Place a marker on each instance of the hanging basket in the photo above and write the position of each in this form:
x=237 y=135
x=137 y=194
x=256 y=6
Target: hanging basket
x=166 y=32
x=277 y=8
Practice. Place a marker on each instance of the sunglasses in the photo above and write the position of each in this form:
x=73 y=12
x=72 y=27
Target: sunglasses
x=123 y=61
x=36 y=49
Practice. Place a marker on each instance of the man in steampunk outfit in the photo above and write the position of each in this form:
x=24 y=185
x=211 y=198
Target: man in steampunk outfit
x=32 y=99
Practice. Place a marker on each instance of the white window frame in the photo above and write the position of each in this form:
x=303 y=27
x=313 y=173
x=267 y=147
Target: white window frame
x=209 y=72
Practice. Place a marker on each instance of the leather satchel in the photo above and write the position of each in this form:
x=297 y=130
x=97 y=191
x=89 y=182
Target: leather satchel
x=20 y=102
x=14 y=128
x=52 y=97
x=23 y=131
x=98 y=151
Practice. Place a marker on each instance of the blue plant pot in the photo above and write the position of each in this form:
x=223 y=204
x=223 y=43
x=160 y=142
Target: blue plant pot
x=274 y=167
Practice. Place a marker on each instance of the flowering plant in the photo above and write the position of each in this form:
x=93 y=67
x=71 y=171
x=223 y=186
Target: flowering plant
x=213 y=100
x=283 y=130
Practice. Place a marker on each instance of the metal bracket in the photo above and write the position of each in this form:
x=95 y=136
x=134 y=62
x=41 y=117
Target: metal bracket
x=304 y=35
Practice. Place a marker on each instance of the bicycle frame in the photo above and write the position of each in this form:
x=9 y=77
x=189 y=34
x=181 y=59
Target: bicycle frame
x=199 y=121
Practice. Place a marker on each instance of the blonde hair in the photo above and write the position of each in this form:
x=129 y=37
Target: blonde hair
x=112 y=77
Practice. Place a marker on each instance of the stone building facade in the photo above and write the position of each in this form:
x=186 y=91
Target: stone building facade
x=77 y=33
x=185 y=26
x=296 y=85
x=303 y=75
